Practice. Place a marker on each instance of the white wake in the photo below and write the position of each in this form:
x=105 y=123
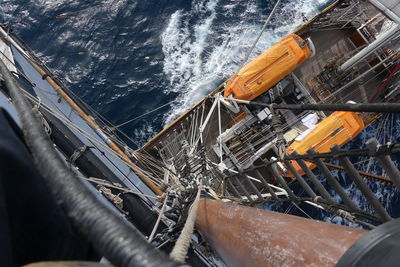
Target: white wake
x=200 y=50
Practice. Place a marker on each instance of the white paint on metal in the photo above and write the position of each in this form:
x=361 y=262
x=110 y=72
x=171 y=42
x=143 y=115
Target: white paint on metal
x=390 y=7
x=371 y=48
x=6 y=56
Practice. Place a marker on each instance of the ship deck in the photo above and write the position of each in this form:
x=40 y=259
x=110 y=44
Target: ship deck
x=339 y=45
x=212 y=134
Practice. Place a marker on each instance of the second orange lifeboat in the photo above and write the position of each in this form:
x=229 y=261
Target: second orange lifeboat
x=337 y=129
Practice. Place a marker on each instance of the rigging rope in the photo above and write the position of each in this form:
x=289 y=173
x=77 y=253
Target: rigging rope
x=153 y=232
x=395 y=69
x=93 y=140
x=141 y=116
x=277 y=129
x=259 y=36
x=124 y=190
x=38 y=105
x=98 y=115
x=112 y=237
x=368 y=176
x=181 y=247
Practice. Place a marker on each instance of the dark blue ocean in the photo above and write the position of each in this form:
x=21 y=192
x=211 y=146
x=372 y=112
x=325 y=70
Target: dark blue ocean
x=127 y=57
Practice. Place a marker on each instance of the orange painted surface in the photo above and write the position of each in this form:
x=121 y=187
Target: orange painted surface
x=238 y=118
x=267 y=69
x=337 y=129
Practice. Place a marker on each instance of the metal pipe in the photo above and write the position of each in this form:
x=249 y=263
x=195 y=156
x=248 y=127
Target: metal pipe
x=210 y=112
x=371 y=48
x=300 y=179
x=333 y=182
x=269 y=189
x=387 y=10
x=234 y=190
x=272 y=168
x=6 y=36
x=385 y=161
x=245 y=236
x=252 y=186
x=314 y=180
x=360 y=183
x=357 y=107
x=220 y=130
x=243 y=189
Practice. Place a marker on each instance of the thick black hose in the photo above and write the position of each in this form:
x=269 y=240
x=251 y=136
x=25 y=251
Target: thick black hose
x=113 y=237
x=379 y=247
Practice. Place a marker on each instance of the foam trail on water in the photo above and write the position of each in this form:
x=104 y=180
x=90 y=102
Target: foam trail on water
x=200 y=51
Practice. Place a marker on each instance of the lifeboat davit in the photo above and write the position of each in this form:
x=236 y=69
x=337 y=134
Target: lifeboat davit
x=337 y=129
x=270 y=67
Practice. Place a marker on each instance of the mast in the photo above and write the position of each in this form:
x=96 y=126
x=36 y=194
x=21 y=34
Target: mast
x=244 y=236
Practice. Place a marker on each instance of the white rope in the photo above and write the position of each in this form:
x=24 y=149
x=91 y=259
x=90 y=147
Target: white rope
x=45 y=124
x=181 y=247
x=122 y=189
x=77 y=153
x=259 y=35
x=144 y=114
x=158 y=219
x=36 y=109
x=220 y=130
x=302 y=210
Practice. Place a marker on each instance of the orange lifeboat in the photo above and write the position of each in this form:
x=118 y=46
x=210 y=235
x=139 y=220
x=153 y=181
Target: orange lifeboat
x=270 y=67
x=337 y=129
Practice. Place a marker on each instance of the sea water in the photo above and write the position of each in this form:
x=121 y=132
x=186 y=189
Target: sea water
x=125 y=57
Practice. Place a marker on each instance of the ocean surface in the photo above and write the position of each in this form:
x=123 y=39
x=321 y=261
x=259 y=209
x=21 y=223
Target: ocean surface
x=125 y=58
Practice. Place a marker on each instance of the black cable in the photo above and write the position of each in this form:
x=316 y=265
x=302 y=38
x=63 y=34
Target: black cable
x=353 y=152
x=387 y=149
x=357 y=107
x=113 y=237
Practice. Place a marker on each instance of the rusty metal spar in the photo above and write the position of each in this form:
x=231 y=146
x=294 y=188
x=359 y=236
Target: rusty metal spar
x=245 y=236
